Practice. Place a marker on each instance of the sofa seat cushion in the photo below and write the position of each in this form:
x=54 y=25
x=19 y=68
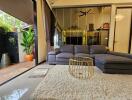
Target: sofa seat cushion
x=62 y=61
x=112 y=59
x=64 y=55
x=81 y=55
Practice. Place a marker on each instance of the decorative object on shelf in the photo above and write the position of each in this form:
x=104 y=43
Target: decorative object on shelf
x=91 y=27
x=5 y=60
x=106 y=26
x=28 y=43
x=81 y=67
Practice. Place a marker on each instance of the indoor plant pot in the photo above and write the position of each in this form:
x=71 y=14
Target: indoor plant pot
x=28 y=43
x=5 y=60
x=29 y=57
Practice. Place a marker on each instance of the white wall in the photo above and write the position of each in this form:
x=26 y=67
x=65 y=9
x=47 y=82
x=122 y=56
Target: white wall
x=21 y=53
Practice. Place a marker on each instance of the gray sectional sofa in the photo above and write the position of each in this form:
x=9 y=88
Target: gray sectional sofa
x=108 y=62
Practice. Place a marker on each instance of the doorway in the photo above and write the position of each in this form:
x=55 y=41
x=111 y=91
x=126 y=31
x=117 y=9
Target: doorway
x=122 y=41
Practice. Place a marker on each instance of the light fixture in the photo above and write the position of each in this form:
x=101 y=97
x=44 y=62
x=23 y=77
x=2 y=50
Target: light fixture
x=51 y=2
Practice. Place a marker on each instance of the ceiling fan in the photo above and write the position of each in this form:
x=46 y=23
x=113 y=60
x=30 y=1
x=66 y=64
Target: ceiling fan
x=84 y=13
x=51 y=1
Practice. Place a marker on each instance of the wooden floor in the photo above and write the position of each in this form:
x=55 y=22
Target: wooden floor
x=12 y=71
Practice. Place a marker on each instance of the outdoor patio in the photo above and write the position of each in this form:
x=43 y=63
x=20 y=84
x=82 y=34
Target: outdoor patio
x=15 y=70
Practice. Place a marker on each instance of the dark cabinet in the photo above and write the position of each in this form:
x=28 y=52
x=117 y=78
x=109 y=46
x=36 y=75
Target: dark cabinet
x=9 y=44
x=12 y=46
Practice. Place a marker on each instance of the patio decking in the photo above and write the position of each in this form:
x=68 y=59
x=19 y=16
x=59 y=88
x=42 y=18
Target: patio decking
x=12 y=71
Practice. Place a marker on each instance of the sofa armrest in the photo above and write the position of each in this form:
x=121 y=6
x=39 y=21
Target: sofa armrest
x=121 y=54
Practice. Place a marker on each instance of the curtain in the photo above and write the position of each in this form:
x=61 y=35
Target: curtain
x=48 y=21
x=42 y=47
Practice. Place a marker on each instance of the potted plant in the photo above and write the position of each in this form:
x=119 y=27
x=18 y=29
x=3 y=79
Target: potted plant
x=28 y=43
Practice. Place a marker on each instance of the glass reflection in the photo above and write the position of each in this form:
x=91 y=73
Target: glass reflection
x=15 y=95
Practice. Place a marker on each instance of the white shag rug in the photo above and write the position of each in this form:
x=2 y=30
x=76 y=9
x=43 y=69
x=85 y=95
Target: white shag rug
x=60 y=85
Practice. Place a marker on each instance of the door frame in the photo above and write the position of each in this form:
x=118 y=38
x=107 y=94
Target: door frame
x=130 y=37
x=35 y=31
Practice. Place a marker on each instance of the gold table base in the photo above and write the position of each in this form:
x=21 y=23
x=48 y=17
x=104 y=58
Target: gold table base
x=81 y=67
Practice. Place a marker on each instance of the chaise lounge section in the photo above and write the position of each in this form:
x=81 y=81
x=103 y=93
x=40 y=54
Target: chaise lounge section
x=108 y=62
x=114 y=63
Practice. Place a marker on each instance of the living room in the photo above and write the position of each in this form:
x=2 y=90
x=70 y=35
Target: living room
x=84 y=52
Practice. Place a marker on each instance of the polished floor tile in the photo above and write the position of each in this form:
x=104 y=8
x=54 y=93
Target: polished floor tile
x=21 y=87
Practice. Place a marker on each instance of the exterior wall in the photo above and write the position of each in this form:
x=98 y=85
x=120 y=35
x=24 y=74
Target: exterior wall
x=21 y=53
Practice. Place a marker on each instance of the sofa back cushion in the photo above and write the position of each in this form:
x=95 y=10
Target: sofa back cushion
x=67 y=48
x=98 y=49
x=81 y=49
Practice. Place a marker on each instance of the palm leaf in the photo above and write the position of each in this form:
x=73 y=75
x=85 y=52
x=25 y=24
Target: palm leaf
x=28 y=40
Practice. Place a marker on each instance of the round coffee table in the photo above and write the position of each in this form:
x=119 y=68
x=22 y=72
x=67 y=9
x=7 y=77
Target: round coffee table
x=81 y=67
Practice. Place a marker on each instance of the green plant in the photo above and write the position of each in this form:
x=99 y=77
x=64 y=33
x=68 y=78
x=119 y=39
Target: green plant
x=5 y=28
x=28 y=41
x=2 y=30
x=10 y=22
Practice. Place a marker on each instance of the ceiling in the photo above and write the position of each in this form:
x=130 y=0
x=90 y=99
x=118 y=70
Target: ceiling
x=21 y=9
